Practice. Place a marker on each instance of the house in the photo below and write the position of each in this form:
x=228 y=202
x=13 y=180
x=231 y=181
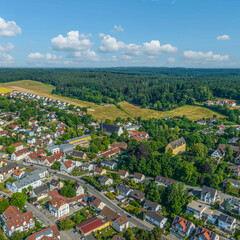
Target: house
x=219 y=153
x=233 y=141
x=209 y=195
x=55 y=184
x=121 y=223
x=18 y=146
x=20 y=155
x=123 y=190
x=3 y=133
x=163 y=181
x=58 y=208
x=110 y=152
x=155 y=218
x=79 y=154
x=97 y=204
x=234 y=182
x=110 y=129
x=33 y=179
x=7 y=169
x=138 y=177
x=40 y=192
x=31 y=141
x=178 y=146
x=79 y=189
x=99 y=171
x=235 y=205
x=17 y=174
x=46 y=233
x=209 y=102
x=205 y=234
x=66 y=148
x=123 y=174
x=226 y=223
x=79 y=140
x=104 y=180
x=139 y=136
x=91 y=225
x=121 y=145
x=54 y=149
x=109 y=214
x=137 y=195
x=235 y=170
x=149 y=205
x=197 y=209
x=14 y=220
x=182 y=228
x=3 y=163
x=86 y=166
x=109 y=164
x=67 y=166
x=201 y=122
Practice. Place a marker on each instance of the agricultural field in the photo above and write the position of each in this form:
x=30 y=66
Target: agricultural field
x=4 y=90
x=111 y=111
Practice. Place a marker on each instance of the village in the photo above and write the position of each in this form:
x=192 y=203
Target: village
x=75 y=187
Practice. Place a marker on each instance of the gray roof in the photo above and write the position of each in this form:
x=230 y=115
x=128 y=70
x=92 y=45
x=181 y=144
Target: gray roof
x=123 y=188
x=155 y=215
x=225 y=218
x=8 y=167
x=41 y=189
x=177 y=142
x=151 y=204
x=209 y=190
x=110 y=128
x=66 y=145
x=104 y=179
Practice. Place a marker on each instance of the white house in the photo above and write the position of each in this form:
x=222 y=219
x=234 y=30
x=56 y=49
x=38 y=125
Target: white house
x=19 y=155
x=155 y=218
x=79 y=189
x=104 y=180
x=58 y=208
x=67 y=166
x=209 y=195
x=149 y=205
x=204 y=234
x=121 y=224
x=138 y=177
x=226 y=223
x=31 y=141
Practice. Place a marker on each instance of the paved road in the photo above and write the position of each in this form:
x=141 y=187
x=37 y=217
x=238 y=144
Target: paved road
x=133 y=221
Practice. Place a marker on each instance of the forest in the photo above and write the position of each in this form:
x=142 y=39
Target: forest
x=159 y=88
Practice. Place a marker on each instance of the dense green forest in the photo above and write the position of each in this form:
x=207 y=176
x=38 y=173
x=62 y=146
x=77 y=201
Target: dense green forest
x=157 y=87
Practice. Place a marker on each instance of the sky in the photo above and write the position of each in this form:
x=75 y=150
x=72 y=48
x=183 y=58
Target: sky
x=119 y=33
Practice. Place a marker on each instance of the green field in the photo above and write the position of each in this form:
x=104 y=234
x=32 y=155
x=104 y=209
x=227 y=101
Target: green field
x=110 y=112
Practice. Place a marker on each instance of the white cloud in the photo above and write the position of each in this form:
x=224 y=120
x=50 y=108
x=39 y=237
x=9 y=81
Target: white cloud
x=83 y=35
x=9 y=29
x=223 y=37
x=5 y=57
x=88 y=56
x=118 y=28
x=152 y=48
x=110 y=44
x=71 y=42
x=171 y=60
x=41 y=59
x=201 y=57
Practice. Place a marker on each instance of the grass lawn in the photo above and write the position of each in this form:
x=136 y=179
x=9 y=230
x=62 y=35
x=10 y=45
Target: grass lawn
x=28 y=170
x=129 y=207
x=106 y=232
x=46 y=199
x=111 y=195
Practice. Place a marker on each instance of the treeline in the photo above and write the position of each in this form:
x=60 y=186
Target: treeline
x=160 y=88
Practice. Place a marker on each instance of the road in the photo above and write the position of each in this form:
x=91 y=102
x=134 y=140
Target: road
x=133 y=220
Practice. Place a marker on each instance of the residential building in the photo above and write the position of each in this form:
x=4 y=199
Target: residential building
x=99 y=171
x=121 y=223
x=123 y=174
x=123 y=190
x=104 y=180
x=20 y=155
x=205 y=234
x=54 y=149
x=109 y=164
x=155 y=218
x=40 y=192
x=86 y=166
x=18 y=146
x=197 y=209
x=55 y=184
x=234 y=182
x=97 y=204
x=182 y=228
x=58 y=208
x=7 y=169
x=137 y=195
x=67 y=166
x=139 y=136
x=138 y=177
x=209 y=195
x=235 y=170
x=109 y=214
x=110 y=152
x=110 y=129
x=17 y=174
x=149 y=205
x=79 y=154
x=227 y=223
x=163 y=181
x=79 y=189
x=178 y=146
x=66 y=148
x=50 y=233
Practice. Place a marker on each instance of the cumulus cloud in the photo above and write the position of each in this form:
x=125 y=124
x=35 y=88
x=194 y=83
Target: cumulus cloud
x=201 y=57
x=5 y=57
x=71 y=42
x=171 y=60
x=9 y=28
x=83 y=35
x=223 y=37
x=88 y=55
x=110 y=44
x=152 y=48
x=118 y=28
x=40 y=59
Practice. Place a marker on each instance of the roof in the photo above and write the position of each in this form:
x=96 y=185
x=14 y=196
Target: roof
x=197 y=206
x=137 y=194
x=182 y=223
x=122 y=220
x=117 y=237
x=225 y=218
x=21 y=152
x=56 y=202
x=68 y=164
x=109 y=214
x=78 y=154
x=90 y=225
x=151 y=204
x=98 y=169
x=233 y=181
x=123 y=188
x=8 y=167
x=54 y=182
x=121 y=145
x=78 y=138
x=137 y=175
x=164 y=180
x=177 y=143
x=11 y=212
x=18 y=144
x=122 y=172
x=110 y=128
x=96 y=202
x=17 y=172
x=209 y=190
x=204 y=234
x=110 y=151
x=46 y=234
x=155 y=215
x=104 y=179
x=40 y=190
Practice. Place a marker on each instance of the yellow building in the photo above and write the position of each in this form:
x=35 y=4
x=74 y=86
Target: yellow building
x=178 y=146
x=79 y=140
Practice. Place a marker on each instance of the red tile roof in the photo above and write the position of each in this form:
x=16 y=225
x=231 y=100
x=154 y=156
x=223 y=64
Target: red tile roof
x=90 y=225
x=111 y=151
x=21 y=152
x=17 y=172
x=68 y=164
x=11 y=212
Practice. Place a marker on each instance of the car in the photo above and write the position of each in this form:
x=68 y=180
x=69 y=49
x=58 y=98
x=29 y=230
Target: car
x=31 y=165
x=129 y=216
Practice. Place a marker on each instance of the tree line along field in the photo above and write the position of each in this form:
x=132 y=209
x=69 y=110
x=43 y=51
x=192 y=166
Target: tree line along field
x=110 y=111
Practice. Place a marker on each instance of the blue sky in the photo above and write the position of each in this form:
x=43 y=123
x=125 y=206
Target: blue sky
x=110 y=33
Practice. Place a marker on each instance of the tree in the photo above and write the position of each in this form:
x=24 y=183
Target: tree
x=56 y=165
x=18 y=200
x=4 y=204
x=207 y=168
x=129 y=234
x=68 y=191
x=66 y=224
x=200 y=150
x=227 y=205
x=18 y=236
x=11 y=149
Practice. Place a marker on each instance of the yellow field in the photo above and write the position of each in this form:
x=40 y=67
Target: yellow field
x=109 y=112
x=4 y=90
x=43 y=90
